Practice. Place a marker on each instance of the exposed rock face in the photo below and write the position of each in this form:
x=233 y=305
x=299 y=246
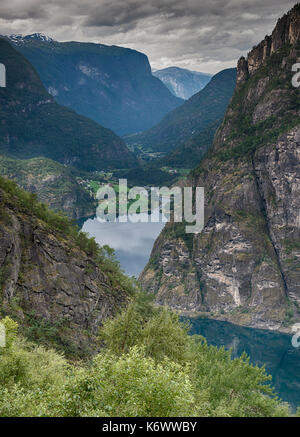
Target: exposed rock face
x=287 y=31
x=181 y=82
x=245 y=265
x=32 y=124
x=46 y=277
x=112 y=85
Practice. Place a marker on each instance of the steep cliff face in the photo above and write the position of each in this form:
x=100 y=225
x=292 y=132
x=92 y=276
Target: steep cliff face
x=245 y=264
x=286 y=32
x=32 y=124
x=112 y=85
x=52 y=280
x=181 y=82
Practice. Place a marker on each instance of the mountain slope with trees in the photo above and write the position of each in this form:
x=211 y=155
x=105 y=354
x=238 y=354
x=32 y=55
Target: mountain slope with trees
x=34 y=125
x=57 y=283
x=111 y=85
x=196 y=115
x=53 y=183
x=244 y=265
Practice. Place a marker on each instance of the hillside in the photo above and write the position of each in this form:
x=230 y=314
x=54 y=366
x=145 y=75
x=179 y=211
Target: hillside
x=192 y=150
x=59 y=285
x=181 y=82
x=112 y=85
x=197 y=114
x=34 y=125
x=76 y=327
x=53 y=183
x=244 y=266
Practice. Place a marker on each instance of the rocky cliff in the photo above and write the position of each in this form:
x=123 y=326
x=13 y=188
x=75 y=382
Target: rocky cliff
x=245 y=264
x=181 y=82
x=112 y=85
x=32 y=124
x=55 y=282
x=286 y=32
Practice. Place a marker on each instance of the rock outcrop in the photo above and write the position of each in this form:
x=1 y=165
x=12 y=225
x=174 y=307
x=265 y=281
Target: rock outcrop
x=286 y=32
x=48 y=282
x=245 y=265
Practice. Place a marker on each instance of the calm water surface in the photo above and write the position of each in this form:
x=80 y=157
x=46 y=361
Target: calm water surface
x=133 y=243
x=274 y=350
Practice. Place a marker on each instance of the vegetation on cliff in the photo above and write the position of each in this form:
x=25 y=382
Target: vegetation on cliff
x=54 y=280
x=241 y=267
x=149 y=366
x=52 y=182
x=34 y=125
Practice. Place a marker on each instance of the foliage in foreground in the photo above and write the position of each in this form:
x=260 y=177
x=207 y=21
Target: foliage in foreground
x=150 y=366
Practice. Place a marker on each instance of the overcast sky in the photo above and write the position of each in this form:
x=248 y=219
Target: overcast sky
x=202 y=35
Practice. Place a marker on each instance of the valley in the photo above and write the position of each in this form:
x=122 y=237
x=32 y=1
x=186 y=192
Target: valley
x=139 y=317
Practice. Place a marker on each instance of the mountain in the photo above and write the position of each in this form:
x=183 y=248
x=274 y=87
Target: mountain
x=53 y=183
x=181 y=82
x=34 y=125
x=191 y=151
x=244 y=266
x=55 y=282
x=112 y=85
x=197 y=114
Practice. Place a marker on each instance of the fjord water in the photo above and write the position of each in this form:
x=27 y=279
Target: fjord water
x=272 y=349
x=133 y=243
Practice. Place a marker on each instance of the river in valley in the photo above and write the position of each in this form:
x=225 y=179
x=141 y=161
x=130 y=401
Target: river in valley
x=133 y=243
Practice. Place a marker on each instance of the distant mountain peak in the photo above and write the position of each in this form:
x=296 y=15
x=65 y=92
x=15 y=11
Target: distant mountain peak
x=111 y=85
x=181 y=82
x=39 y=36
x=174 y=68
x=18 y=38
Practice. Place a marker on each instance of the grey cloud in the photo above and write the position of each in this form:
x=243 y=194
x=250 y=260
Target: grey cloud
x=205 y=35
x=21 y=10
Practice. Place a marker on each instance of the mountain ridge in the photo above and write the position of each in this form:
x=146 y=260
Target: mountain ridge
x=190 y=119
x=33 y=124
x=182 y=82
x=110 y=84
x=244 y=266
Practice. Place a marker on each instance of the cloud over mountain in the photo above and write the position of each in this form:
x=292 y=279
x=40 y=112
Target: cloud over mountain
x=206 y=35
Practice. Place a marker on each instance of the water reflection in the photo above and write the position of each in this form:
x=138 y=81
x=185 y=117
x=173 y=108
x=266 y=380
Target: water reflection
x=272 y=349
x=132 y=242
